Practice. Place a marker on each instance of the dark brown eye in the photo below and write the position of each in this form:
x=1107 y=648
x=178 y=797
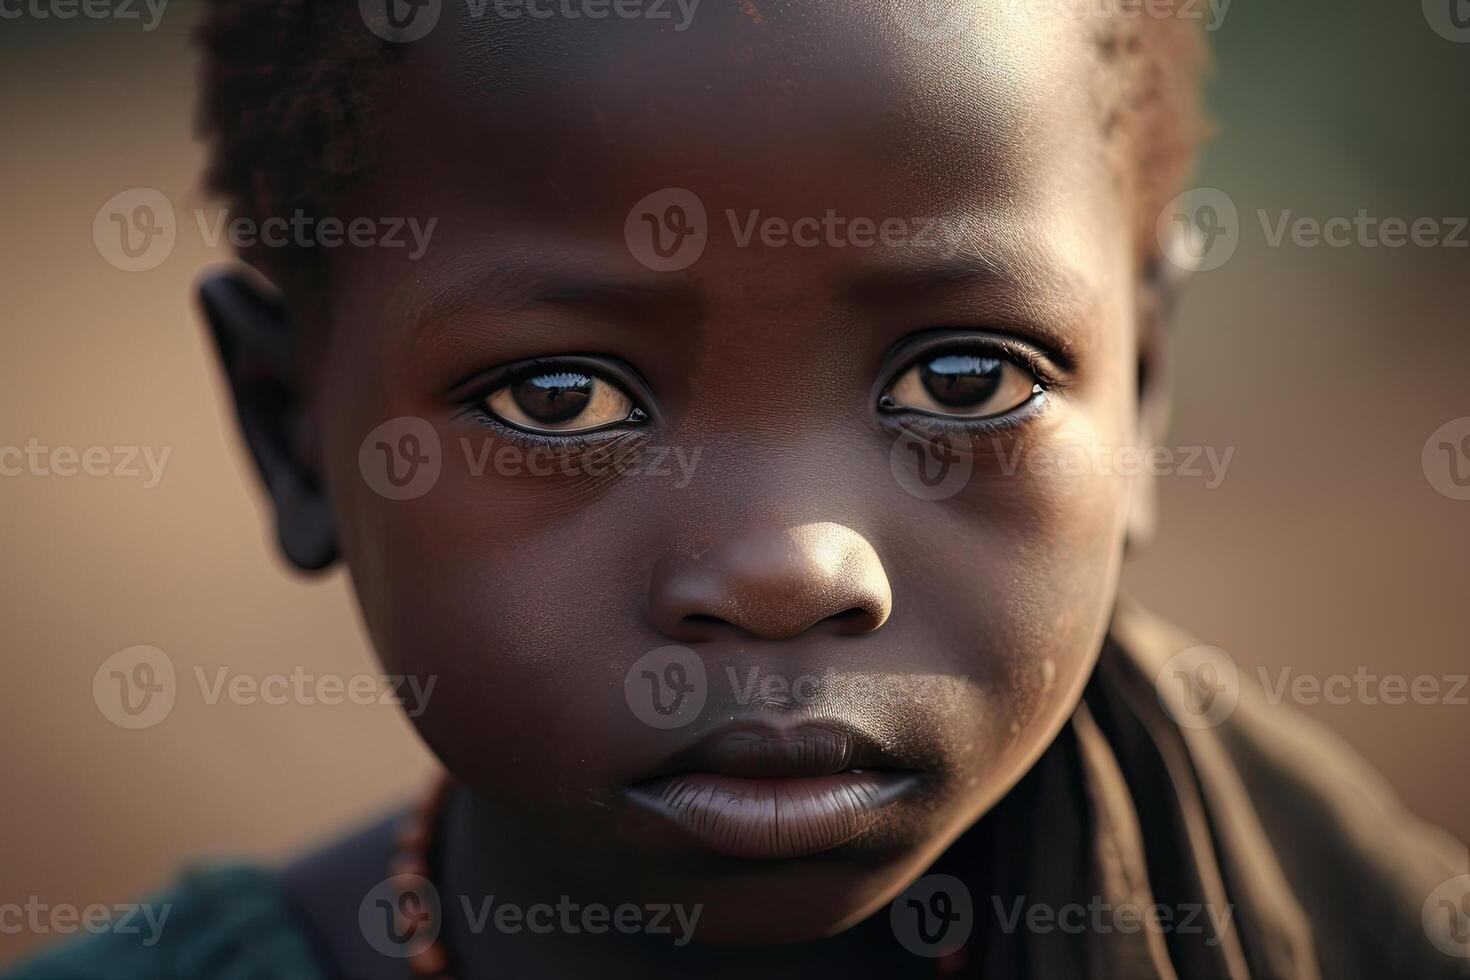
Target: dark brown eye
x=962 y=385
x=561 y=402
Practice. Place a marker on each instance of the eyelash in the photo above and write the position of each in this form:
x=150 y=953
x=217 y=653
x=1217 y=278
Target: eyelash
x=1019 y=353
x=524 y=439
x=1005 y=422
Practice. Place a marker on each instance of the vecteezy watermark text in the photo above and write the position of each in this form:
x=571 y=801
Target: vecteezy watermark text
x=668 y=230
x=137 y=687
x=670 y=686
x=1200 y=687
x=300 y=687
x=125 y=462
x=1363 y=230
x=403 y=914
x=627 y=459
x=1363 y=686
x=1099 y=916
x=138 y=229
x=946 y=20
x=405 y=21
x=86 y=9
x=302 y=230
x=404 y=458
x=39 y=918
x=937 y=468
x=1206 y=463
x=568 y=917
x=680 y=12
x=1201 y=229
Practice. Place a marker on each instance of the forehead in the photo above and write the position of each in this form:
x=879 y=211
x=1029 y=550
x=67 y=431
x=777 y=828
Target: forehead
x=533 y=137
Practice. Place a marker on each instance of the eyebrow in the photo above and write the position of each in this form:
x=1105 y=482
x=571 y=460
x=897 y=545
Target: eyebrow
x=512 y=288
x=621 y=300
x=1043 y=301
x=1046 y=305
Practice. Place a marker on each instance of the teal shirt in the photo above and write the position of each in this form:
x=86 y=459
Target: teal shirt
x=229 y=922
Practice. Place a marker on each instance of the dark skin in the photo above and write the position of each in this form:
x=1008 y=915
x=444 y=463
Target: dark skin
x=956 y=634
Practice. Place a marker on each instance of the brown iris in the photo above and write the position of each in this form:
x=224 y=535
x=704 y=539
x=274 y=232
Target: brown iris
x=553 y=399
x=561 y=402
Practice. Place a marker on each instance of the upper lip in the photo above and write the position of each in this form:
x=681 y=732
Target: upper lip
x=763 y=749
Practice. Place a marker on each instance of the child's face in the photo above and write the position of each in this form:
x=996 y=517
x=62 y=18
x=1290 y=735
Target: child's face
x=944 y=641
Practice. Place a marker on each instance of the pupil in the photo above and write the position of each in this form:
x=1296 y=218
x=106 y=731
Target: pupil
x=962 y=380
x=552 y=398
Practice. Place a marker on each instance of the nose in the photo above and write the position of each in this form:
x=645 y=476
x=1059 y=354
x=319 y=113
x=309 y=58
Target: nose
x=773 y=585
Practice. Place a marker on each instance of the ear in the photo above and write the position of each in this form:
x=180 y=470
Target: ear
x=1159 y=290
x=257 y=347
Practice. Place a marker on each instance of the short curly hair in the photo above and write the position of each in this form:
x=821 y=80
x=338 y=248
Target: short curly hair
x=289 y=89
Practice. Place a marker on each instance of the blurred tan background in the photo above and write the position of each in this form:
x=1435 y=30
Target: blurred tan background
x=1325 y=548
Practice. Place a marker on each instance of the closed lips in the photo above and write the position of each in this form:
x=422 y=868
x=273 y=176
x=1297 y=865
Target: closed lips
x=774 y=818
x=760 y=794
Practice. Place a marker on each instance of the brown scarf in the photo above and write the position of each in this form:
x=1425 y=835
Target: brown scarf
x=1269 y=848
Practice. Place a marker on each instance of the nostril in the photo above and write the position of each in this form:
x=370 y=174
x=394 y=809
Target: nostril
x=703 y=626
x=697 y=626
x=858 y=619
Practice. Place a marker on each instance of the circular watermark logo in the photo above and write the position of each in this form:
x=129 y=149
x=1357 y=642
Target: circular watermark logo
x=401 y=459
x=1199 y=687
x=933 y=916
x=1446 y=459
x=1447 y=917
x=135 y=687
x=135 y=230
x=929 y=467
x=936 y=20
x=400 y=21
x=1199 y=230
x=667 y=687
x=1450 y=19
x=400 y=915
x=667 y=230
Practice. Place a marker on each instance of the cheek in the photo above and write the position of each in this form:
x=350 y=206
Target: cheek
x=1023 y=566
x=525 y=613
x=500 y=578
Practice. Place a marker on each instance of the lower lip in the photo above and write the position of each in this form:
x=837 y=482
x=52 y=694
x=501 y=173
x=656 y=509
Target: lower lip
x=771 y=819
